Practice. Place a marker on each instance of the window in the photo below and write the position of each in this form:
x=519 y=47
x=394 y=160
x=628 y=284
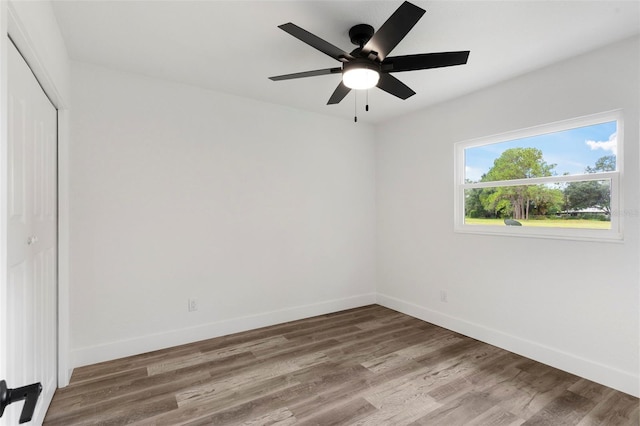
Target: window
x=560 y=180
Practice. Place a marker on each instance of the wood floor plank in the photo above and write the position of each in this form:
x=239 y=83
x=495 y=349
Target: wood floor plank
x=591 y=390
x=366 y=366
x=479 y=373
x=402 y=355
x=328 y=396
x=568 y=408
x=399 y=404
x=96 y=400
x=615 y=410
x=354 y=409
x=496 y=416
x=279 y=417
x=119 y=366
x=200 y=357
x=234 y=383
x=242 y=404
x=319 y=379
x=119 y=414
x=109 y=380
x=461 y=411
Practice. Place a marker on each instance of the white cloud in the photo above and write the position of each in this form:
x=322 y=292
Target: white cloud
x=473 y=173
x=610 y=145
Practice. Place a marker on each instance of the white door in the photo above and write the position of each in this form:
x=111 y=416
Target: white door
x=31 y=282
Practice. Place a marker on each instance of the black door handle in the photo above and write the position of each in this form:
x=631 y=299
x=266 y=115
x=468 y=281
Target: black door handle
x=29 y=393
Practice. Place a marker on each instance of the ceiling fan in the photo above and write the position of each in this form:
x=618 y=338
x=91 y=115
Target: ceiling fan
x=369 y=65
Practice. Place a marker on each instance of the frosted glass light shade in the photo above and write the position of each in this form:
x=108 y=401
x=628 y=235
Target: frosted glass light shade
x=360 y=78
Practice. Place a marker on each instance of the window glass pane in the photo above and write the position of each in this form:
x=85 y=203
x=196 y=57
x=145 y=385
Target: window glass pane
x=587 y=149
x=580 y=204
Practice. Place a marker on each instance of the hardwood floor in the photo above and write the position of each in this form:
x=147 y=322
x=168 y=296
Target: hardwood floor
x=365 y=366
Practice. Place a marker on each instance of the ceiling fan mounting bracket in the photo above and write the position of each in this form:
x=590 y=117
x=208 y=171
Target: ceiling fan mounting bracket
x=360 y=34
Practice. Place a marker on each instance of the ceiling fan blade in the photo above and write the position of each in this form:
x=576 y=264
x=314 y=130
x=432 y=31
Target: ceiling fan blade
x=393 y=30
x=316 y=42
x=424 y=61
x=338 y=94
x=395 y=87
x=306 y=74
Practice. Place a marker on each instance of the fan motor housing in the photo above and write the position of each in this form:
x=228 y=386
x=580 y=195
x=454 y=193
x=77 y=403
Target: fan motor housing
x=360 y=34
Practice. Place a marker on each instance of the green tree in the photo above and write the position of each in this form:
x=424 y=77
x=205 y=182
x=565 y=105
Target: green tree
x=594 y=193
x=603 y=164
x=588 y=194
x=517 y=201
x=473 y=206
x=546 y=200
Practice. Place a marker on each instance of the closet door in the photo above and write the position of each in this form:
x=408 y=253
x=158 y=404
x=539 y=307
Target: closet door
x=31 y=179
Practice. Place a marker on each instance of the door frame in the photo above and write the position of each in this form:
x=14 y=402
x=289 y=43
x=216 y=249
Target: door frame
x=12 y=26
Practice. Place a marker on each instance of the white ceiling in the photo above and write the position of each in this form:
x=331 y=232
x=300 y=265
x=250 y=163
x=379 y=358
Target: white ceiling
x=233 y=46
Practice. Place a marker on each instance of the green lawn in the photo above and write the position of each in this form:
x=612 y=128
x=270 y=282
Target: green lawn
x=560 y=223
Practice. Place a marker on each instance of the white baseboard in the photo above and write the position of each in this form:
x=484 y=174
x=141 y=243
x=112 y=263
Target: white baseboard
x=152 y=342
x=599 y=373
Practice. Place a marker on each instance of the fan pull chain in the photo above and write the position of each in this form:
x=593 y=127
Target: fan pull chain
x=355 y=106
x=366 y=108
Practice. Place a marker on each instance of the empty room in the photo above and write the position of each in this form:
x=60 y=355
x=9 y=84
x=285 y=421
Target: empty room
x=320 y=212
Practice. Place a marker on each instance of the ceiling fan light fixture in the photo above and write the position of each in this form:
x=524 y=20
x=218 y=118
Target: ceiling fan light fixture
x=360 y=76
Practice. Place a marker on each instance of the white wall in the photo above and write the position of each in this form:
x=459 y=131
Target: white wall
x=570 y=304
x=263 y=213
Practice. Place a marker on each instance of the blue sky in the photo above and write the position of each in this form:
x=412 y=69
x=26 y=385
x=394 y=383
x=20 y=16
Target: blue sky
x=572 y=150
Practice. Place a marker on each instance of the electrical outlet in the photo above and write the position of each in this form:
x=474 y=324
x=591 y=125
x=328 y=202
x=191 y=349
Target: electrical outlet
x=443 y=296
x=192 y=305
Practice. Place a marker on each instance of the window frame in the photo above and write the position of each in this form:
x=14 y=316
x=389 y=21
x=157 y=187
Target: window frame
x=614 y=234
